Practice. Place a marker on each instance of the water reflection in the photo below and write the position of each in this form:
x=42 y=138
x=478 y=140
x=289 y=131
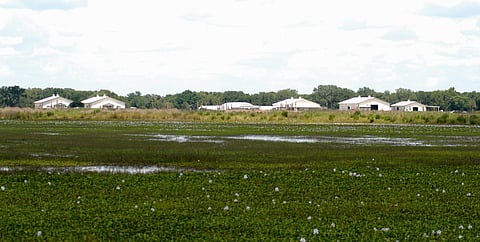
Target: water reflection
x=104 y=169
x=358 y=140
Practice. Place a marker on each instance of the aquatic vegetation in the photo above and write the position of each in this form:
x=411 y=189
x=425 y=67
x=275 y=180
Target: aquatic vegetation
x=314 y=204
x=104 y=180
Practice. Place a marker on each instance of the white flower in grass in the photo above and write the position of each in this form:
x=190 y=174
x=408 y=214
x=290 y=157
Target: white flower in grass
x=315 y=231
x=209 y=208
x=235 y=200
x=49 y=183
x=247 y=208
x=118 y=188
x=25 y=181
x=460 y=236
x=210 y=181
x=152 y=209
x=78 y=202
x=469 y=227
x=123 y=180
x=245 y=177
x=236 y=194
x=39 y=233
x=208 y=195
x=284 y=202
x=136 y=206
x=303 y=240
x=3 y=188
x=380 y=175
x=277 y=189
x=226 y=208
x=309 y=218
x=461 y=227
x=439 y=232
x=385 y=229
x=333 y=225
x=334 y=170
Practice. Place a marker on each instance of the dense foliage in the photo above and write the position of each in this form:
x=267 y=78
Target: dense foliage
x=326 y=95
x=239 y=182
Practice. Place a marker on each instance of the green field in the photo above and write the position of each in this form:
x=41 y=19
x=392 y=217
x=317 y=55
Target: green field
x=227 y=181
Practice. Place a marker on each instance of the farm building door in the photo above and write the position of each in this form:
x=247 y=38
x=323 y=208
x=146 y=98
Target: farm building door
x=374 y=107
x=415 y=109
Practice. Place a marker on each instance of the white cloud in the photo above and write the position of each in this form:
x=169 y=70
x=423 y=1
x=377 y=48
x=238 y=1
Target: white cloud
x=5 y=71
x=253 y=46
x=400 y=34
x=10 y=40
x=463 y=9
x=43 y=4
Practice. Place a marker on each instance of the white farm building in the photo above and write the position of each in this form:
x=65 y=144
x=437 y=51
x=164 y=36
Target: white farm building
x=364 y=104
x=409 y=106
x=103 y=102
x=296 y=104
x=238 y=106
x=55 y=101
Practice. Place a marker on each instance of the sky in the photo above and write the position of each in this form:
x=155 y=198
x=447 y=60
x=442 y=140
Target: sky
x=167 y=47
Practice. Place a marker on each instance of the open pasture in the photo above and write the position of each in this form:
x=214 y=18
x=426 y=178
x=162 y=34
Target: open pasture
x=231 y=181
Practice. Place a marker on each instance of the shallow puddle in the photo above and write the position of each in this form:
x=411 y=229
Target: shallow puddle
x=360 y=140
x=132 y=170
x=274 y=138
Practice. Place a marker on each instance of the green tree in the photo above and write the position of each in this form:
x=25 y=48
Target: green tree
x=11 y=96
x=285 y=94
x=329 y=95
x=135 y=99
x=365 y=91
x=403 y=94
x=209 y=98
x=186 y=100
x=264 y=98
x=235 y=96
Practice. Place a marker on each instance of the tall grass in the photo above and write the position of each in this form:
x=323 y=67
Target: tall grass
x=329 y=116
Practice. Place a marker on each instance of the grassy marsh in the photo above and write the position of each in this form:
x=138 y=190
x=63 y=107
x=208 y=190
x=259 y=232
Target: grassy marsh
x=241 y=181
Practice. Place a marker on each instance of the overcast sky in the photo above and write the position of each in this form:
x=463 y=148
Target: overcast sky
x=166 y=47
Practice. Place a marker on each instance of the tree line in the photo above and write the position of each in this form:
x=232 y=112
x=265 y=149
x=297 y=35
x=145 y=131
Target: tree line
x=326 y=95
